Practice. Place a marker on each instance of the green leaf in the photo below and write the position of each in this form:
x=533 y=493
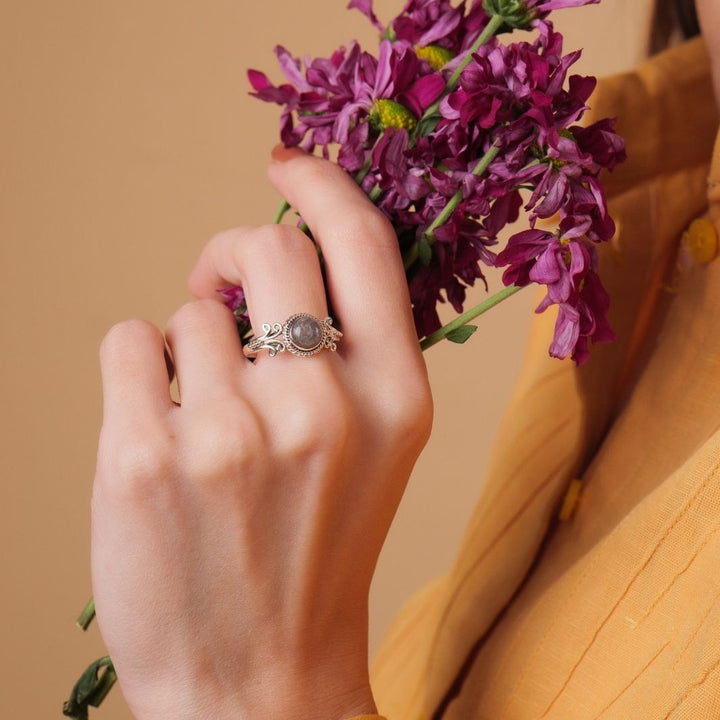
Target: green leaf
x=90 y=690
x=427 y=125
x=461 y=334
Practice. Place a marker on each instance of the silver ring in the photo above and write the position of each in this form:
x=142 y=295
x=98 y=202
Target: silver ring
x=301 y=334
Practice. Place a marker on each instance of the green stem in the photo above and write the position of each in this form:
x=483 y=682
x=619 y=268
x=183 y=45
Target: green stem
x=280 y=214
x=87 y=615
x=494 y=24
x=365 y=169
x=447 y=211
x=104 y=685
x=466 y=317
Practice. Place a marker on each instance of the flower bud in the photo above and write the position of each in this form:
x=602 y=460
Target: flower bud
x=515 y=13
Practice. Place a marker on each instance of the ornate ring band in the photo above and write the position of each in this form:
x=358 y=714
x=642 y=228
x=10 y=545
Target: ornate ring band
x=301 y=334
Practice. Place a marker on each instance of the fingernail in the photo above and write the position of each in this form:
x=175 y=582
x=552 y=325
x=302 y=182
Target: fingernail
x=280 y=153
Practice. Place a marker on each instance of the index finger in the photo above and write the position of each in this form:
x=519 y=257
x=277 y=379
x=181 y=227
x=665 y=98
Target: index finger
x=364 y=272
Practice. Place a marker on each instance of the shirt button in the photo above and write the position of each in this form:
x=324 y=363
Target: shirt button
x=700 y=240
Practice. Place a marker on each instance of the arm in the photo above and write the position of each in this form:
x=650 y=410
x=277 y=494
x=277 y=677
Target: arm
x=235 y=535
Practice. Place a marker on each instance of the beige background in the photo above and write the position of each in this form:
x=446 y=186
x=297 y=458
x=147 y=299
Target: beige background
x=128 y=139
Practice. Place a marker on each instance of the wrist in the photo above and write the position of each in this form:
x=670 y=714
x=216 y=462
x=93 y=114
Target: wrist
x=325 y=704
x=354 y=705
x=333 y=693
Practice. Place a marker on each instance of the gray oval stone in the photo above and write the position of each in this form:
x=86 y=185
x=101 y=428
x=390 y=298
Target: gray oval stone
x=306 y=332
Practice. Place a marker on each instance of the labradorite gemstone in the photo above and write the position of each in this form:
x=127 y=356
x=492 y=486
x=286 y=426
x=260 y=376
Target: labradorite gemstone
x=306 y=332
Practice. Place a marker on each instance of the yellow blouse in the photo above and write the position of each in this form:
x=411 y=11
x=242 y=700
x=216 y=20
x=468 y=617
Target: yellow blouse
x=613 y=612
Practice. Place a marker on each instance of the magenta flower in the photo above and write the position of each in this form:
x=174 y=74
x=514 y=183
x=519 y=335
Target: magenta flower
x=568 y=268
x=234 y=298
x=365 y=7
x=394 y=172
x=320 y=96
x=333 y=98
x=582 y=322
x=445 y=159
x=520 y=81
x=601 y=143
x=437 y=30
x=542 y=7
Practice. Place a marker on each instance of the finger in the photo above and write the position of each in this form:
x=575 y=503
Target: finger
x=136 y=386
x=216 y=268
x=277 y=266
x=364 y=272
x=205 y=347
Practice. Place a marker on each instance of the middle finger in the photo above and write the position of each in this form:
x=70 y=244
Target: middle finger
x=277 y=267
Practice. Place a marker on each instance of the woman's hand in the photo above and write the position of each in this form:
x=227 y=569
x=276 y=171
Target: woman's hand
x=235 y=535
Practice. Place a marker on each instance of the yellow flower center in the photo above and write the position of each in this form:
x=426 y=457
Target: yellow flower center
x=392 y=114
x=436 y=55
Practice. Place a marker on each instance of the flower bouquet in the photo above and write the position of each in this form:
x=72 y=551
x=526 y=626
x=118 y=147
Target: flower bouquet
x=451 y=132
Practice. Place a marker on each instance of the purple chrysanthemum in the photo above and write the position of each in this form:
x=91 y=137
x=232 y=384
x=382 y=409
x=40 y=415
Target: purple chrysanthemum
x=234 y=298
x=333 y=98
x=568 y=268
x=451 y=132
x=436 y=29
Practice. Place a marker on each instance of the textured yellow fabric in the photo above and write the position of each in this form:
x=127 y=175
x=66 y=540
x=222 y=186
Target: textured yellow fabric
x=613 y=614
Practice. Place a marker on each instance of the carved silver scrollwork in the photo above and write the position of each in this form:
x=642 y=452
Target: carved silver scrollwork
x=270 y=340
x=276 y=338
x=331 y=334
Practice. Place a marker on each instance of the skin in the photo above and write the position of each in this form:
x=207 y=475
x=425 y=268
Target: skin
x=234 y=536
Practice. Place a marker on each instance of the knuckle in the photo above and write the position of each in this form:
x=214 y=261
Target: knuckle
x=270 y=241
x=408 y=415
x=423 y=415
x=226 y=443
x=125 y=335
x=139 y=469
x=211 y=262
x=229 y=235
x=195 y=314
x=318 y=172
x=370 y=224
x=319 y=424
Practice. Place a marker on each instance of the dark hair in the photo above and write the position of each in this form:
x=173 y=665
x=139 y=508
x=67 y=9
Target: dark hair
x=673 y=18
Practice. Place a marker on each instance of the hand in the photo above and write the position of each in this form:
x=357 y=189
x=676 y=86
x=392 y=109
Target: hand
x=235 y=534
